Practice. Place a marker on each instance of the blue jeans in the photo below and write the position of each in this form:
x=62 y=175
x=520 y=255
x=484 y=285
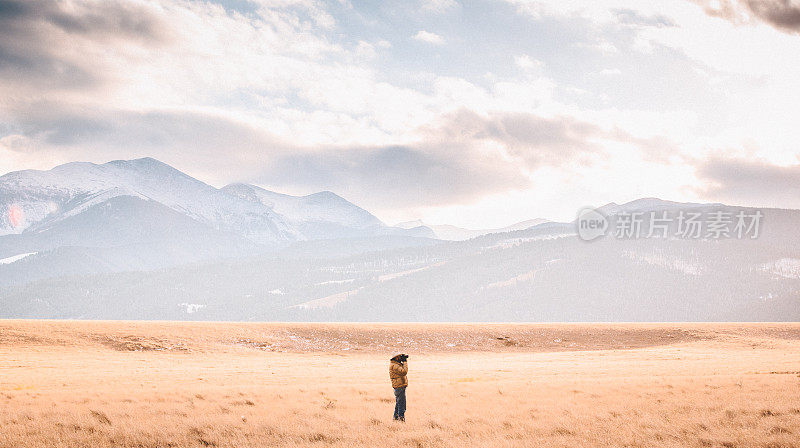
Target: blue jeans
x=400 y=403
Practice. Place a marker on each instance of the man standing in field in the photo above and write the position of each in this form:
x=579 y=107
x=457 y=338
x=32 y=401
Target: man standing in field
x=398 y=369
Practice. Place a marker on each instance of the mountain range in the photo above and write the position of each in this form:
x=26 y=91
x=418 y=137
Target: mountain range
x=143 y=214
x=42 y=199
x=453 y=233
x=139 y=239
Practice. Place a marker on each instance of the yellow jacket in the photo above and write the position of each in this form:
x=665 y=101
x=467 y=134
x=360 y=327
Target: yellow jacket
x=397 y=373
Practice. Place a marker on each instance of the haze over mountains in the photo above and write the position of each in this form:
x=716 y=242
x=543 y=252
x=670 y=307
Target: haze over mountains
x=139 y=239
x=454 y=233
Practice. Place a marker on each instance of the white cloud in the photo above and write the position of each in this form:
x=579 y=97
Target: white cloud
x=783 y=15
x=431 y=38
x=610 y=72
x=527 y=62
x=439 y=6
x=365 y=49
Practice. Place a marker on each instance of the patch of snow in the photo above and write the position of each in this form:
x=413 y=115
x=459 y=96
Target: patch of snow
x=326 y=302
x=10 y=260
x=277 y=292
x=190 y=308
x=511 y=242
x=337 y=282
x=514 y=280
x=769 y=296
x=672 y=263
x=524 y=277
x=385 y=277
x=785 y=267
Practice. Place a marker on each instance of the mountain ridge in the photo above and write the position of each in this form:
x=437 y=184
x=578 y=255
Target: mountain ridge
x=144 y=214
x=39 y=198
x=69 y=189
x=454 y=233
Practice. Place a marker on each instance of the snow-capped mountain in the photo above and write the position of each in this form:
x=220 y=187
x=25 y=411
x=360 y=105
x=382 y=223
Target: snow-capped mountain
x=323 y=206
x=32 y=201
x=323 y=215
x=132 y=215
x=316 y=216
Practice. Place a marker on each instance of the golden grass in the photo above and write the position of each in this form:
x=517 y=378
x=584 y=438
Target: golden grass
x=139 y=384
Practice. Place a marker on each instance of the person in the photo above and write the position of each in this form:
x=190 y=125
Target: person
x=398 y=371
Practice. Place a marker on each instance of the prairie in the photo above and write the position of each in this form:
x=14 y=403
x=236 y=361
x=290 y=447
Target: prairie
x=170 y=384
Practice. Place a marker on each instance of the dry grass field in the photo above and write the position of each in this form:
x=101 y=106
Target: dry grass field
x=154 y=384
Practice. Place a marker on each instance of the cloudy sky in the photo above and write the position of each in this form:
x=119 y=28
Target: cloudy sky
x=478 y=113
